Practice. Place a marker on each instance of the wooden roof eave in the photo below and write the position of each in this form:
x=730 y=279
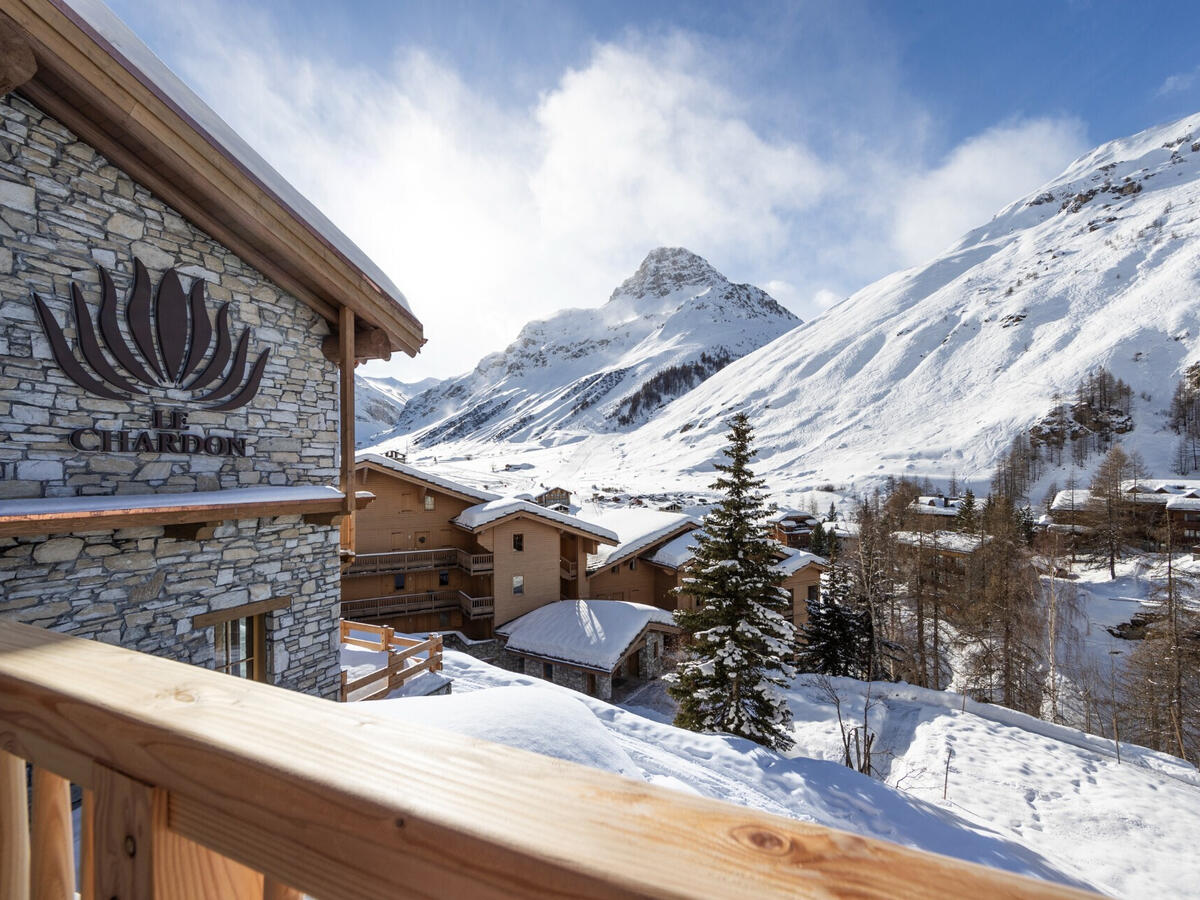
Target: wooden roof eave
x=369 y=465
x=83 y=84
x=554 y=523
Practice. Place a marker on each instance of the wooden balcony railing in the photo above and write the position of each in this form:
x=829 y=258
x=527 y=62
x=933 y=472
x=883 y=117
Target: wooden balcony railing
x=568 y=569
x=409 y=604
x=198 y=784
x=404 y=659
x=398 y=561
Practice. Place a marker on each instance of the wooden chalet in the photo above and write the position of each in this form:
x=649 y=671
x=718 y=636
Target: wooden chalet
x=652 y=561
x=431 y=554
x=794 y=528
x=554 y=498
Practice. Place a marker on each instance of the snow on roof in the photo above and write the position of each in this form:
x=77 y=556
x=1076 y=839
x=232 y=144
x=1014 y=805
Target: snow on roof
x=593 y=633
x=1161 y=485
x=484 y=513
x=954 y=541
x=44 y=506
x=422 y=475
x=1065 y=501
x=637 y=529
x=129 y=50
x=797 y=560
x=1186 y=503
x=678 y=551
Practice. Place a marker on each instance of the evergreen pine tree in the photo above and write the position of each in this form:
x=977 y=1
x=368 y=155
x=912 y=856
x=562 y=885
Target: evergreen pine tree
x=817 y=542
x=740 y=636
x=837 y=638
x=968 y=513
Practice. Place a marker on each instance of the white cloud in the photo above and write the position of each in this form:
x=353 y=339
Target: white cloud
x=489 y=215
x=1177 y=83
x=979 y=177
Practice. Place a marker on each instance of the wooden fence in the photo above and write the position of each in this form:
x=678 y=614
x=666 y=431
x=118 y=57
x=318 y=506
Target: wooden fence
x=201 y=785
x=401 y=652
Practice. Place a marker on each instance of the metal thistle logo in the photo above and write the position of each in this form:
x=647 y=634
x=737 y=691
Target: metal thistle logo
x=175 y=345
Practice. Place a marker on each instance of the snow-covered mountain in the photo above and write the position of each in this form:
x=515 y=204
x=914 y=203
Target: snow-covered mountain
x=933 y=370
x=378 y=403
x=583 y=371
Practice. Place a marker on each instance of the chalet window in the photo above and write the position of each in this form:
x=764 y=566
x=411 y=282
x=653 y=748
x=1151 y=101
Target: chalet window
x=591 y=683
x=443 y=578
x=518 y=584
x=814 y=593
x=429 y=501
x=615 y=569
x=547 y=671
x=519 y=542
x=241 y=648
x=444 y=619
x=240 y=637
x=398 y=582
x=632 y=564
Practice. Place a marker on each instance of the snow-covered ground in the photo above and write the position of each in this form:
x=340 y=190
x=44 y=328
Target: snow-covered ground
x=1023 y=795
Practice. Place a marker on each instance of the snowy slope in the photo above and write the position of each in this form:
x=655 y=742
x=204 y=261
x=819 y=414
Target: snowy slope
x=1024 y=795
x=581 y=370
x=933 y=370
x=378 y=403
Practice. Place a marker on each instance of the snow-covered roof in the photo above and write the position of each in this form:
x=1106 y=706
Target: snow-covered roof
x=475 y=517
x=423 y=475
x=592 y=633
x=678 y=551
x=637 y=529
x=58 y=506
x=797 y=560
x=1184 y=503
x=148 y=68
x=954 y=541
x=925 y=509
x=1066 y=501
x=1161 y=486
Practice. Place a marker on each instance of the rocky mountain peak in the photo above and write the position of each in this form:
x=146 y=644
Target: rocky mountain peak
x=666 y=270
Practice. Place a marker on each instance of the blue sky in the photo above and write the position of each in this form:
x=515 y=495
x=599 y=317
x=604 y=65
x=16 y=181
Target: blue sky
x=504 y=160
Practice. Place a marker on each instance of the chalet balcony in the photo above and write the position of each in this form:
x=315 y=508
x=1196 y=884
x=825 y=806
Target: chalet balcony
x=408 y=604
x=199 y=784
x=395 y=562
x=568 y=569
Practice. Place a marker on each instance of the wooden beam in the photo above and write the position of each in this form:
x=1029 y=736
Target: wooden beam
x=17 y=63
x=346 y=405
x=217 y=616
x=52 y=869
x=14 y=828
x=347 y=812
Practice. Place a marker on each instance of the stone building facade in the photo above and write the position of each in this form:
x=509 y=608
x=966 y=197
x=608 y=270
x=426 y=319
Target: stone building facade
x=643 y=662
x=65 y=211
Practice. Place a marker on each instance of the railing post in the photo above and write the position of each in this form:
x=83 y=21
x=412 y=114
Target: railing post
x=14 y=828
x=123 y=829
x=52 y=873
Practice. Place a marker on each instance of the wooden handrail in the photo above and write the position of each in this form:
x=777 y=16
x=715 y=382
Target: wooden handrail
x=197 y=769
x=415 y=560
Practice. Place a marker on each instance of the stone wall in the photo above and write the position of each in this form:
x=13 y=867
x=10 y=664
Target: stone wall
x=64 y=210
x=136 y=588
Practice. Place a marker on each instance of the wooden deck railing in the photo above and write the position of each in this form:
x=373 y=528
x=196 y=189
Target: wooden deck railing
x=199 y=784
x=568 y=568
x=409 y=604
x=416 y=560
x=403 y=660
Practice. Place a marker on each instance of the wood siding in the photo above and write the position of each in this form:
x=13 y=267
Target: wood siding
x=398 y=516
x=538 y=563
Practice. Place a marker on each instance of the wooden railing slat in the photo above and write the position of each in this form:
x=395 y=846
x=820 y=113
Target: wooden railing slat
x=52 y=867
x=123 y=836
x=185 y=870
x=341 y=802
x=14 y=828
x=87 y=846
